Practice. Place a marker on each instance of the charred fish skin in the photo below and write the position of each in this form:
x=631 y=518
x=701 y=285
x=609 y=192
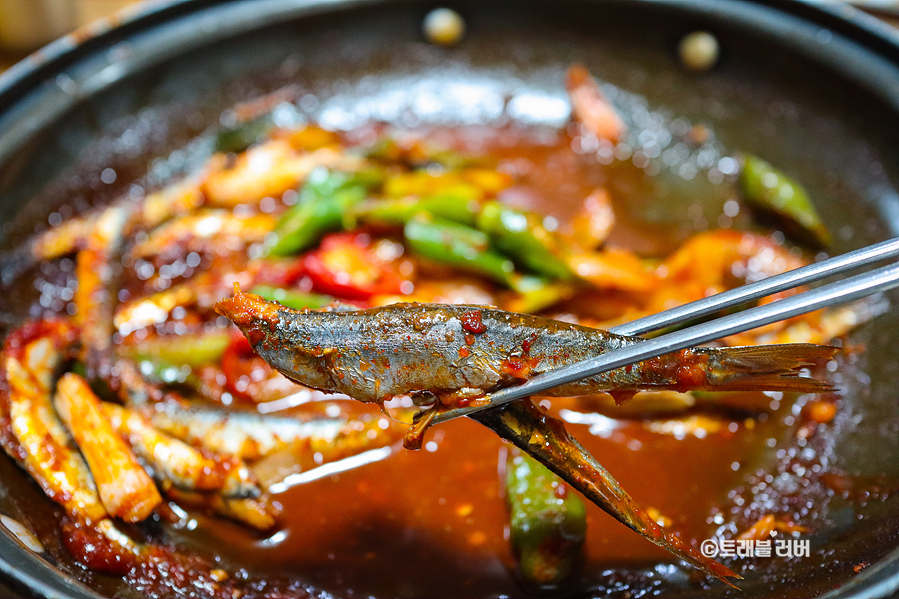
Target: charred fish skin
x=466 y=351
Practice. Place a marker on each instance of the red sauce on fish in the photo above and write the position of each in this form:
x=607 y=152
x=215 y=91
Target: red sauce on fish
x=691 y=372
x=527 y=343
x=518 y=367
x=471 y=321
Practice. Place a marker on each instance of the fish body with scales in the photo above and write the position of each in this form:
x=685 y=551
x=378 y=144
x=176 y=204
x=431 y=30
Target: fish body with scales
x=459 y=351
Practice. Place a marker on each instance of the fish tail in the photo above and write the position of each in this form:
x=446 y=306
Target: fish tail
x=767 y=368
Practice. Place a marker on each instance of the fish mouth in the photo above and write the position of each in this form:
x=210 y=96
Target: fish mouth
x=252 y=314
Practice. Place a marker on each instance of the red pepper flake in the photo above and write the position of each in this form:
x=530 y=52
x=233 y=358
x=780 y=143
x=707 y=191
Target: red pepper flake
x=690 y=376
x=471 y=321
x=95 y=550
x=860 y=566
x=650 y=527
x=255 y=336
x=527 y=343
x=518 y=367
x=691 y=371
x=463 y=352
x=469 y=339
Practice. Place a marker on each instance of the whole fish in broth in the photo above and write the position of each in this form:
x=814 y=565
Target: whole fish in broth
x=459 y=353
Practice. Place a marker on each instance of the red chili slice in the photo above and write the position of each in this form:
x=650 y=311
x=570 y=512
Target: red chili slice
x=345 y=266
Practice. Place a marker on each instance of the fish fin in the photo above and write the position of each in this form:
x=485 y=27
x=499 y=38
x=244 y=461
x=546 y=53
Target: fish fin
x=622 y=396
x=767 y=368
x=416 y=434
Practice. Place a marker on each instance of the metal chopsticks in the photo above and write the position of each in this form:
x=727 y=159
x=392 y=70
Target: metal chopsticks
x=840 y=292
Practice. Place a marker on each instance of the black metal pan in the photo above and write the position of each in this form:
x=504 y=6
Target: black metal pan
x=815 y=90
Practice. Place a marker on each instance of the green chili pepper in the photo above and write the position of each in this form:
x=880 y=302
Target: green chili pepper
x=522 y=236
x=457 y=245
x=453 y=207
x=237 y=138
x=325 y=199
x=773 y=192
x=297 y=300
x=548 y=522
x=191 y=349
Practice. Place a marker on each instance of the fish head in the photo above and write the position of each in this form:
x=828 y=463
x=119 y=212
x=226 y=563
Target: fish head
x=279 y=335
x=257 y=318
